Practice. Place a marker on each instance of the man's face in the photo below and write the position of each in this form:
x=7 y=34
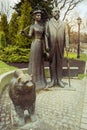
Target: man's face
x=56 y=13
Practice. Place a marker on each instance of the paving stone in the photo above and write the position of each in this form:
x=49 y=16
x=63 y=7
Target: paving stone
x=84 y=110
x=84 y=115
x=8 y=122
x=84 y=126
x=84 y=120
x=0 y=127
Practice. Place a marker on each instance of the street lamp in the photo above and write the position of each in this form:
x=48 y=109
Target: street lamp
x=79 y=20
x=0 y=16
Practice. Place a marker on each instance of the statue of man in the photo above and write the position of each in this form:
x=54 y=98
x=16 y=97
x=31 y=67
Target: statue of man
x=56 y=39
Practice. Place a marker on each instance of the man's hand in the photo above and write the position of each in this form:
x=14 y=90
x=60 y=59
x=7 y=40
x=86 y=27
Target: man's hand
x=67 y=48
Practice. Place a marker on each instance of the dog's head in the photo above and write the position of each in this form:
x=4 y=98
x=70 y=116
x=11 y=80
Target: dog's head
x=24 y=83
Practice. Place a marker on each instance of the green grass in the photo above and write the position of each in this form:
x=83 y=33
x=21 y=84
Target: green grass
x=5 y=68
x=83 y=57
x=81 y=76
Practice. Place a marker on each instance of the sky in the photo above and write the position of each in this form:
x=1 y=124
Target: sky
x=82 y=8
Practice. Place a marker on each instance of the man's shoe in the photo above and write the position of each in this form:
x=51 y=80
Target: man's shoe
x=60 y=83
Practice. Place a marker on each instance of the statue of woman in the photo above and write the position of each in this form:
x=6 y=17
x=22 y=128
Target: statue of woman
x=36 y=63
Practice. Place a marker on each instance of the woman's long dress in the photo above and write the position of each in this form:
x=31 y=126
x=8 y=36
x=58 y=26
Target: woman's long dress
x=36 y=64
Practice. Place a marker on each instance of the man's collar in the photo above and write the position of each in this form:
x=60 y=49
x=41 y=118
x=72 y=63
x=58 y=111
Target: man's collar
x=53 y=19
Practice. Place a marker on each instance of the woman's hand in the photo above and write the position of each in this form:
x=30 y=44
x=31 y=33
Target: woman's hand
x=47 y=49
x=22 y=32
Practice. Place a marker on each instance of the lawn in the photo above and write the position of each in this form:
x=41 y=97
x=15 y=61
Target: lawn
x=83 y=57
x=5 y=68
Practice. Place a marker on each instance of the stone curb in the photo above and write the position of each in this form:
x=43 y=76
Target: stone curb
x=5 y=79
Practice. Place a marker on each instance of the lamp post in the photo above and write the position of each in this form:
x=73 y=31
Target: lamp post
x=78 y=49
x=0 y=16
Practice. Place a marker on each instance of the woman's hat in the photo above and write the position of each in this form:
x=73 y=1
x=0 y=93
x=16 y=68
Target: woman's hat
x=36 y=11
x=39 y=9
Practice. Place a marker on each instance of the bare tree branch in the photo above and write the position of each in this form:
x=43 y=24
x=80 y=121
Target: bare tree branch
x=69 y=5
x=58 y=2
x=74 y=4
x=64 y=3
x=55 y=2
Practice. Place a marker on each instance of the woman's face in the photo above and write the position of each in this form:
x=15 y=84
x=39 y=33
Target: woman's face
x=38 y=16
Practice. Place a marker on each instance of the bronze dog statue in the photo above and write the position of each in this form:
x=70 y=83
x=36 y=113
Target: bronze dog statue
x=23 y=95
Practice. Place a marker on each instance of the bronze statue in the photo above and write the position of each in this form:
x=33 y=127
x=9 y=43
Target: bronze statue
x=23 y=95
x=36 y=63
x=56 y=39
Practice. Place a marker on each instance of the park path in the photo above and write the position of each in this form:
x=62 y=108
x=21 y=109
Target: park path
x=61 y=108
x=5 y=111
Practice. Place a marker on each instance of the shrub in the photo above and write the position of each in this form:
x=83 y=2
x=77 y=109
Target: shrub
x=14 y=54
x=2 y=39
